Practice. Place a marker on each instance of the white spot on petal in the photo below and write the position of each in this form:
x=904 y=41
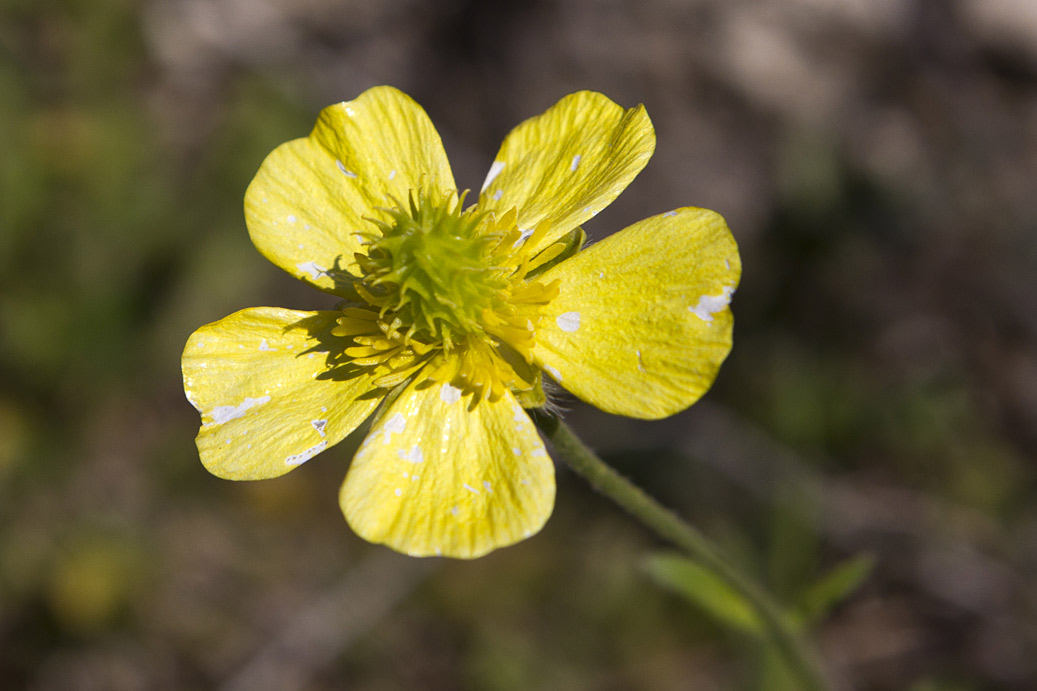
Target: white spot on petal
x=670 y=213
x=454 y=510
x=292 y=218
x=497 y=195
x=523 y=236
x=345 y=171
x=226 y=413
x=397 y=423
x=470 y=488
x=392 y=174
x=576 y=162
x=709 y=305
x=495 y=170
x=486 y=484
x=263 y=345
x=414 y=455
x=398 y=492
x=516 y=450
x=312 y=269
x=553 y=372
x=568 y=321
x=300 y=458
x=319 y=425
x=449 y=394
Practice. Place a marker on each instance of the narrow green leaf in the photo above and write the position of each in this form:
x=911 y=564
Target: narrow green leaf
x=708 y=592
x=834 y=587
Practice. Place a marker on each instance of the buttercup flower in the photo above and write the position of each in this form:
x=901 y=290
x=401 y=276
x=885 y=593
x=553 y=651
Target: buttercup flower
x=451 y=315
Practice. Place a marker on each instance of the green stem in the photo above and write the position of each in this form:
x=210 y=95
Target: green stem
x=669 y=526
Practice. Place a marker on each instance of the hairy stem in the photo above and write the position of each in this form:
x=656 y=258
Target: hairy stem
x=672 y=528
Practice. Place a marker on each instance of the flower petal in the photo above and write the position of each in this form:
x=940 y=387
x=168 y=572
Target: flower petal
x=641 y=323
x=569 y=163
x=434 y=478
x=312 y=195
x=268 y=398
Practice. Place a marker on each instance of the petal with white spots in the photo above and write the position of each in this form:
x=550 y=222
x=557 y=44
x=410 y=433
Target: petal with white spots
x=568 y=163
x=312 y=195
x=260 y=379
x=485 y=478
x=641 y=324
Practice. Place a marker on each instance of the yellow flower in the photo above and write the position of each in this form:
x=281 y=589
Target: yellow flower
x=451 y=314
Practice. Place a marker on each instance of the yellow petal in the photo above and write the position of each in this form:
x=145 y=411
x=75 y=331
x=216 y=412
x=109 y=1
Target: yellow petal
x=433 y=478
x=260 y=378
x=569 y=163
x=311 y=195
x=641 y=323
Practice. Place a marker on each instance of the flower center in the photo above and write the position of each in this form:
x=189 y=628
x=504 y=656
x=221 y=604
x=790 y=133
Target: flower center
x=433 y=269
x=445 y=293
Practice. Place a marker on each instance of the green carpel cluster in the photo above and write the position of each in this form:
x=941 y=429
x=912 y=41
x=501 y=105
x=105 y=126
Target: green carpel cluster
x=429 y=271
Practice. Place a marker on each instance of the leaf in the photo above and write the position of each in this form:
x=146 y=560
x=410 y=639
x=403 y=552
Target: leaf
x=707 y=591
x=834 y=587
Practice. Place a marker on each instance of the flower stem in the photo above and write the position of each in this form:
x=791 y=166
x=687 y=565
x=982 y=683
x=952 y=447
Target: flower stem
x=672 y=528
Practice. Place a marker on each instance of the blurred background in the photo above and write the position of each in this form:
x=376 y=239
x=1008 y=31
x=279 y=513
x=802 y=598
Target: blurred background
x=875 y=159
